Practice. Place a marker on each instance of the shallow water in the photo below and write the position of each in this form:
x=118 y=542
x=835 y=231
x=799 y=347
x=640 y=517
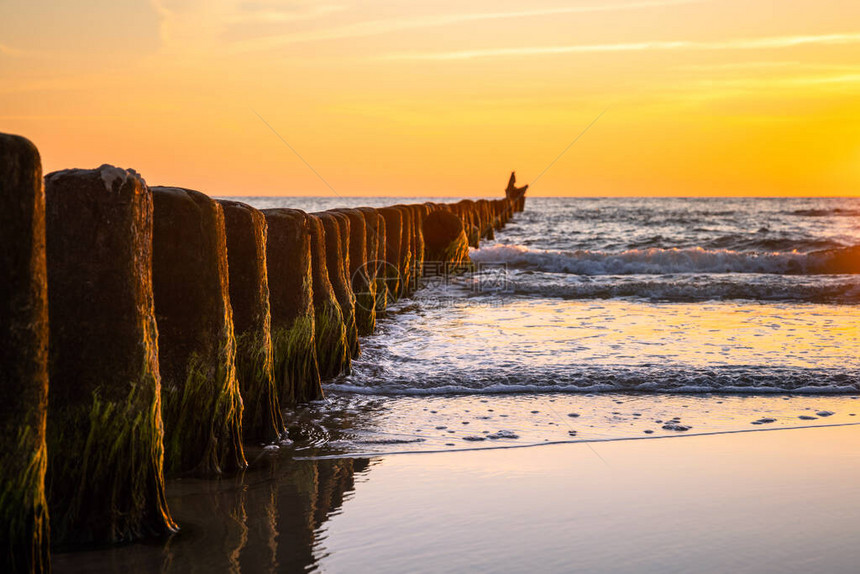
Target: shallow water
x=674 y=307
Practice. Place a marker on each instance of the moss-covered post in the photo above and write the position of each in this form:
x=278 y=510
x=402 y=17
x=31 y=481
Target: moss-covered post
x=361 y=242
x=104 y=432
x=333 y=354
x=376 y=255
x=407 y=284
x=336 y=226
x=393 y=235
x=197 y=347
x=288 y=258
x=419 y=213
x=484 y=212
x=24 y=530
x=498 y=206
x=249 y=297
x=444 y=238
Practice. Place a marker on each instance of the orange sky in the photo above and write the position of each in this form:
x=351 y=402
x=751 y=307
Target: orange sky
x=704 y=97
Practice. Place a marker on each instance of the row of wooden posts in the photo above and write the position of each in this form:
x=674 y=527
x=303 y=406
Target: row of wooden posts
x=172 y=327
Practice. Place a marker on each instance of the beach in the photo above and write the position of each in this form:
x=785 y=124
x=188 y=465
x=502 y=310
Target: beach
x=758 y=501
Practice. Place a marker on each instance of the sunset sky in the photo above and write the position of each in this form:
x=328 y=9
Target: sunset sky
x=701 y=97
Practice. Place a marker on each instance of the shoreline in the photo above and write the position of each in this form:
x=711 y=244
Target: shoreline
x=631 y=506
x=371 y=455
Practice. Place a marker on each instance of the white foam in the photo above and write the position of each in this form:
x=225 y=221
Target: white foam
x=653 y=261
x=111 y=174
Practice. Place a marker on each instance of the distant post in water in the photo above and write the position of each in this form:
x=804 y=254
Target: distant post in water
x=197 y=347
x=516 y=194
x=104 y=421
x=24 y=530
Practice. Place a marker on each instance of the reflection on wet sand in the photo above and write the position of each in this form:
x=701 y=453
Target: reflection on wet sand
x=267 y=519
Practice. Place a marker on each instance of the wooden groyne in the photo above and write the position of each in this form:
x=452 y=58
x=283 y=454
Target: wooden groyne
x=150 y=331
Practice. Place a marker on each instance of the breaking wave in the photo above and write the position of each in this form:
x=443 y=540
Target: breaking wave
x=575 y=379
x=660 y=261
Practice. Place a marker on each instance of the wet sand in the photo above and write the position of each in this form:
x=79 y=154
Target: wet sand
x=782 y=500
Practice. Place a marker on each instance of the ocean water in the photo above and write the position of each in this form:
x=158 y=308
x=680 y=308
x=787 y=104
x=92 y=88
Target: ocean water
x=610 y=318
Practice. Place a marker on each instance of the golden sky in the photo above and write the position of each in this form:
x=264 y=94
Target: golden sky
x=384 y=97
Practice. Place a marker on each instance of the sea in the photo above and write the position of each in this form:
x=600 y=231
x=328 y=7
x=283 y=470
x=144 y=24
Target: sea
x=594 y=319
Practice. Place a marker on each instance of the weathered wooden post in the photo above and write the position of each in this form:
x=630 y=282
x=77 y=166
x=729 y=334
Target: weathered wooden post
x=24 y=529
x=376 y=255
x=361 y=242
x=336 y=226
x=516 y=194
x=444 y=238
x=249 y=296
x=407 y=280
x=486 y=217
x=420 y=213
x=288 y=258
x=332 y=350
x=197 y=347
x=393 y=237
x=105 y=479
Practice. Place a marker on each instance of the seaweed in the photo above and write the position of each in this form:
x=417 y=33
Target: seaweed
x=365 y=307
x=261 y=416
x=296 y=372
x=204 y=423
x=24 y=528
x=382 y=295
x=457 y=251
x=332 y=347
x=105 y=477
x=23 y=505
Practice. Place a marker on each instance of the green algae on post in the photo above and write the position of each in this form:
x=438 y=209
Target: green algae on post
x=197 y=347
x=333 y=355
x=249 y=298
x=362 y=241
x=336 y=227
x=444 y=238
x=104 y=428
x=405 y=265
x=376 y=256
x=393 y=221
x=420 y=213
x=288 y=259
x=24 y=528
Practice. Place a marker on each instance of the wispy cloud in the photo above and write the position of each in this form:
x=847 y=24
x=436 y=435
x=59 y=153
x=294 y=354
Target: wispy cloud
x=377 y=27
x=777 y=42
x=276 y=15
x=10 y=51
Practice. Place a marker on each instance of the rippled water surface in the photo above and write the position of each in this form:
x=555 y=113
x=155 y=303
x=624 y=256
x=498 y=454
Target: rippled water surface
x=718 y=311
